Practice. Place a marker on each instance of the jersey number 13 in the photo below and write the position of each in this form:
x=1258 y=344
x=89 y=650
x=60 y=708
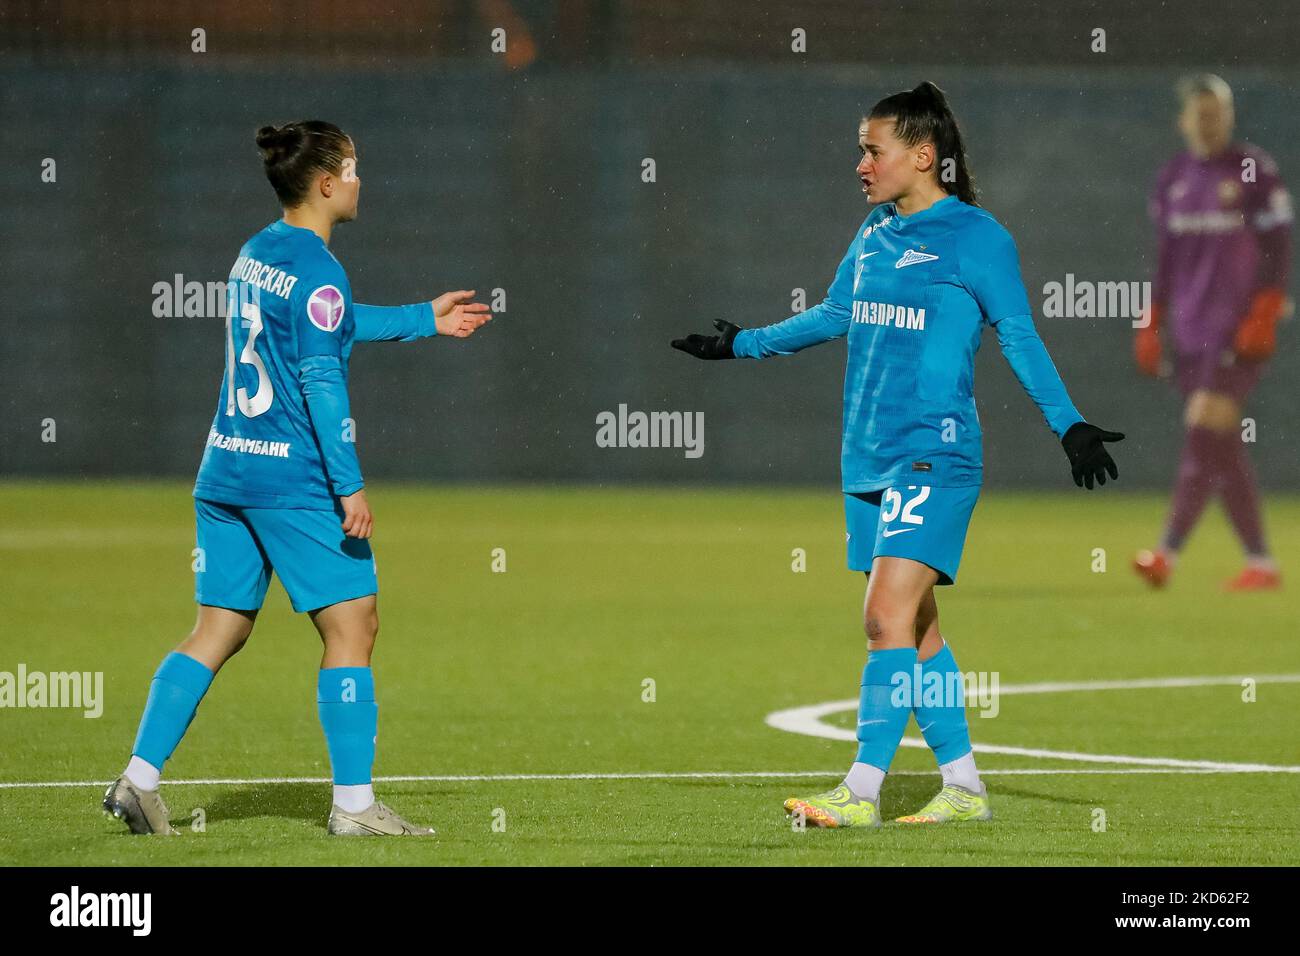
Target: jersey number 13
x=250 y=318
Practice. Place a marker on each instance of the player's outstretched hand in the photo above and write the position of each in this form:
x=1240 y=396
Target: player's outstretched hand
x=455 y=315
x=1089 y=460
x=710 y=346
x=358 y=522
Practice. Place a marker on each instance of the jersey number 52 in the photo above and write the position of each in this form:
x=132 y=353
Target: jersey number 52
x=892 y=502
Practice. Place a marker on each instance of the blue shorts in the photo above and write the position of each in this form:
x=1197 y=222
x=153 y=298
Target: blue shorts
x=240 y=547
x=920 y=522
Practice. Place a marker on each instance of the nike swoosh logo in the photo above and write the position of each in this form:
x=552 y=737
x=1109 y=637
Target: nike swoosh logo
x=365 y=826
x=867 y=255
x=889 y=534
x=927 y=726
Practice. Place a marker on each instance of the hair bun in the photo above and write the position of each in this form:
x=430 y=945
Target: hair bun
x=276 y=141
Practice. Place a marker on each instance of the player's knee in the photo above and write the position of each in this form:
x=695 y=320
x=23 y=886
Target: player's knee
x=361 y=636
x=1212 y=410
x=216 y=644
x=884 y=606
x=887 y=625
x=363 y=618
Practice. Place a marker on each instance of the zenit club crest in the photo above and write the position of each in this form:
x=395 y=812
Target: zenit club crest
x=911 y=257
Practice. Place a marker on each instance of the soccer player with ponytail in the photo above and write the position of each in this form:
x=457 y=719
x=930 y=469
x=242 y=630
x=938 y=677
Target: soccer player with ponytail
x=279 y=489
x=923 y=275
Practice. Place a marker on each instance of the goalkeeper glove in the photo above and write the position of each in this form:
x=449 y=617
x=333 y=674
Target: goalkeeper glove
x=1089 y=460
x=710 y=346
x=1146 y=346
x=1257 y=334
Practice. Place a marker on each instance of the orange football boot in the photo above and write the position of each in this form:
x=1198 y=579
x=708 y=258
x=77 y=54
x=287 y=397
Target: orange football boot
x=1152 y=567
x=1255 y=578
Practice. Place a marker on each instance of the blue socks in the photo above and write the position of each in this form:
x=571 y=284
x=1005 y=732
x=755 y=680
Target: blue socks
x=882 y=719
x=345 y=698
x=894 y=685
x=944 y=725
x=178 y=685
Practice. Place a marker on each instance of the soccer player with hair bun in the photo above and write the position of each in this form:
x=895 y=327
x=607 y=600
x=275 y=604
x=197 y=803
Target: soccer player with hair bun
x=1223 y=222
x=280 y=490
x=923 y=276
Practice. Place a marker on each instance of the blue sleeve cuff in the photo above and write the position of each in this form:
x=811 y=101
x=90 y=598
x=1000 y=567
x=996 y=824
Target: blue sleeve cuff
x=394 y=323
x=426 y=320
x=742 y=346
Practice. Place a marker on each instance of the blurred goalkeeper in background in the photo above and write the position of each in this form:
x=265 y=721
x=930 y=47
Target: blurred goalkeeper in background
x=1223 y=224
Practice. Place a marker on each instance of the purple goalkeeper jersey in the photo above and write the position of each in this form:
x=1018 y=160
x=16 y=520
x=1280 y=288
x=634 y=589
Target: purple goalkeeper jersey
x=1223 y=224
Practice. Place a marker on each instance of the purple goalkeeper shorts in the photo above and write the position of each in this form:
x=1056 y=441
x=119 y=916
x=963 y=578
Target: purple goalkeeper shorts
x=1217 y=371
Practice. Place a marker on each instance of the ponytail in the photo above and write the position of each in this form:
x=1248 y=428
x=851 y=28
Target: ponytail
x=922 y=115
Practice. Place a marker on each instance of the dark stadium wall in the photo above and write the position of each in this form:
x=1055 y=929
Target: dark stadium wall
x=532 y=183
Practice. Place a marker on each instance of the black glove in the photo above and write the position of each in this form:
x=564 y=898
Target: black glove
x=710 y=346
x=1089 y=460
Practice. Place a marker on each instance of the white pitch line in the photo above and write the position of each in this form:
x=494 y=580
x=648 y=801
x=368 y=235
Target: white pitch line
x=1145 y=683
x=704 y=775
x=808 y=721
x=1172 y=762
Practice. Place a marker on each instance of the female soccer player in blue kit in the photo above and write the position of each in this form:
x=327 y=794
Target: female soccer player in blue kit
x=280 y=488
x=922 y=275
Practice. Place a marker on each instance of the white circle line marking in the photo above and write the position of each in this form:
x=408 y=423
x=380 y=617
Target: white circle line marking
x=808 y=721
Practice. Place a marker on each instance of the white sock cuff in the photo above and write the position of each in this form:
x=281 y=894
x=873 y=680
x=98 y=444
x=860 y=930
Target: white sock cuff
x=142 y=773
x=961 y=772
x=865 y=780
x=353 y=798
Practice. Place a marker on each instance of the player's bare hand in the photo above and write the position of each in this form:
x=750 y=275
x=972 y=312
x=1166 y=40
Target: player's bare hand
x=455 y=315
x=358 y=522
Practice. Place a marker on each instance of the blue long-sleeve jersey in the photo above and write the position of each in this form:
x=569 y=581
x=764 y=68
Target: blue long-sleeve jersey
x=912 y=294
x=283 y=436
